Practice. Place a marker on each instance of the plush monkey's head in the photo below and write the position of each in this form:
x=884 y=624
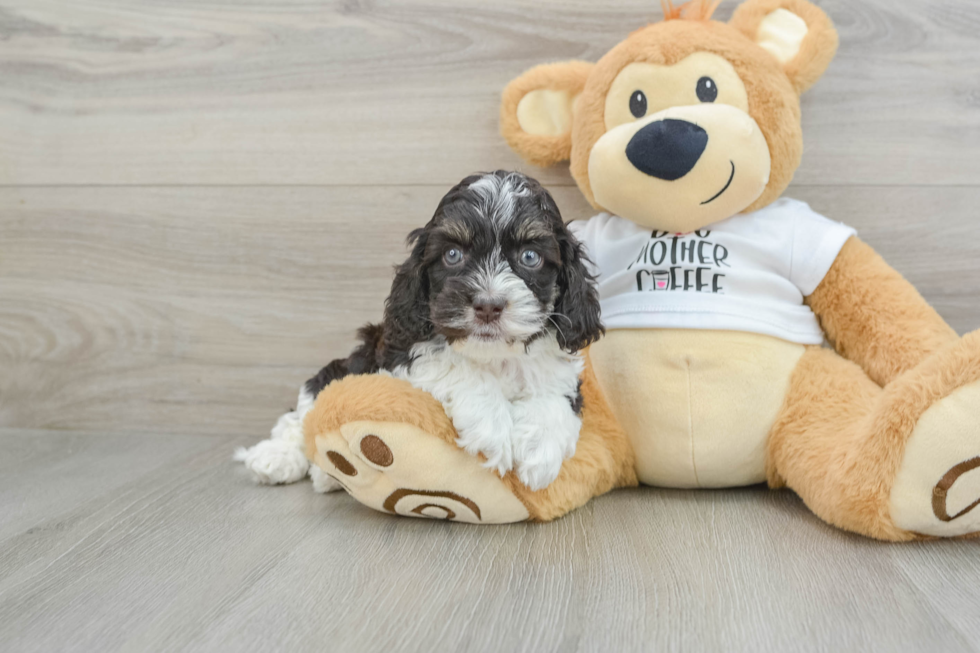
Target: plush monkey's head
x=686 y=122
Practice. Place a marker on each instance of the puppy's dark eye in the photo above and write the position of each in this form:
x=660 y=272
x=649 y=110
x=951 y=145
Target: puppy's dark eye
x=453 y=256
x=638 y=104
x=707 y=90
x=530 y=259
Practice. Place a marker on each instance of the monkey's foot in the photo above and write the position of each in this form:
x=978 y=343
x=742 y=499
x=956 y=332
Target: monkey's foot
x=393 y=449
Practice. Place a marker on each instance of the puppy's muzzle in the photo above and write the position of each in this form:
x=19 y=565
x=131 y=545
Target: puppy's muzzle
x=667 y=149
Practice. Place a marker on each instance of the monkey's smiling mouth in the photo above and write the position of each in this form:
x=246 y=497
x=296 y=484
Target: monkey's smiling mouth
x=719 y=193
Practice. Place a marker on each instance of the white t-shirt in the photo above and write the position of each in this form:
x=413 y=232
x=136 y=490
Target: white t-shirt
x=747 y=273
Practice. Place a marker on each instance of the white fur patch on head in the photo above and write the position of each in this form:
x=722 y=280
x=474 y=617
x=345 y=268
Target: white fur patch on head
x=498 y=194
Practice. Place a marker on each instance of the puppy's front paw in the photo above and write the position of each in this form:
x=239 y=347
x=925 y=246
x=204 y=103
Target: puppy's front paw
x=542 y=441
x=272 y=462
x=539 y=467
x=493 y=441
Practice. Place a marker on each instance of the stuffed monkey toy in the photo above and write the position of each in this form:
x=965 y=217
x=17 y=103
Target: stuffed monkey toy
x=717 y=294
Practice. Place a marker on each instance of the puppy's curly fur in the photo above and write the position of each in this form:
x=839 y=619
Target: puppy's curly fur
x=488 y=314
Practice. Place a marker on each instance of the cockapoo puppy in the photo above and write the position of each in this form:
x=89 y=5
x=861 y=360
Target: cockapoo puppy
x=488 y=315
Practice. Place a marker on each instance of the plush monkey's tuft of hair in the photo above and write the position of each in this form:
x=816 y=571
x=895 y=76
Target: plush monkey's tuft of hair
x=691 y=10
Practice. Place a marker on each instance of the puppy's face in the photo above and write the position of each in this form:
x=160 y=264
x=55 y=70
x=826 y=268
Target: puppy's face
x=492 y=260
x=496 y=265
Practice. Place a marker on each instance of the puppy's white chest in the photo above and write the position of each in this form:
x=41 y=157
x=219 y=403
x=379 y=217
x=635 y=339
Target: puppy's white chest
x=491 y=373
x=509 y=376
x=460 y=381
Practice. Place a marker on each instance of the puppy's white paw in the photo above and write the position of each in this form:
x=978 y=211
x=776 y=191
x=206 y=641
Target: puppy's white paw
x=323 y=482
x=493 y=442
x=272 y=462
x=543 y=439
x=484 y=427
x=540 y=466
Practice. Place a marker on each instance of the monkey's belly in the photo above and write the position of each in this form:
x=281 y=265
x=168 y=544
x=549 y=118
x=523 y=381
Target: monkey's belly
x=697 y=405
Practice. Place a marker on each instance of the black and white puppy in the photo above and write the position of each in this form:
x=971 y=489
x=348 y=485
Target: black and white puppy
x=488 y=315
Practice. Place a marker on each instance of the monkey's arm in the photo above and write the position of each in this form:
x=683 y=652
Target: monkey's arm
x=874 y=317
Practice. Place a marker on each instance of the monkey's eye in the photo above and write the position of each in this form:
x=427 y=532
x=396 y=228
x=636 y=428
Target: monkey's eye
x=707 y=90
x=638 y=104
x=530 y=259
x=453 y=256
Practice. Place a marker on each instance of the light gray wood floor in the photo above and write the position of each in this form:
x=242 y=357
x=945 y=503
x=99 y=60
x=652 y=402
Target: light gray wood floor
x=200 y=200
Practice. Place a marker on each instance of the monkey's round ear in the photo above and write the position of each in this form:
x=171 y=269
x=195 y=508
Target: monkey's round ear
x=799 y=34
x=536 y=111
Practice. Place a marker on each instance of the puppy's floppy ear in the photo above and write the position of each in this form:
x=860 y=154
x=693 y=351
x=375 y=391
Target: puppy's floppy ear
x=797 y=33
x=536 y=111
x=406 y=319
x=578 y=300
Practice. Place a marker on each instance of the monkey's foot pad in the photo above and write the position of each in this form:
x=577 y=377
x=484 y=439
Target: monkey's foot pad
x=400 y=469
x=937 y=489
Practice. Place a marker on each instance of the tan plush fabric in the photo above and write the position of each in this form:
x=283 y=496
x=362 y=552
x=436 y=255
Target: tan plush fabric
x=399 y=469
x=840 y=440
x=679 y=206
x=735 y=141
x=773 y=102
x=822 y=449
x=696 y=405
x=951 y=506
x=874 y=317
x=670 y=86
x=357 y=399
x=406 y=418
x=772 y=88
x=392 y=447
x=537 y=148
x=817 y=49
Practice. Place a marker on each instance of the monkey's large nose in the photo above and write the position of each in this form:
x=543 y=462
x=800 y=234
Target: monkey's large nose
x=667 y=149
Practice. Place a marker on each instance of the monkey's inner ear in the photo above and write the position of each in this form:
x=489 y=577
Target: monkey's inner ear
x=782 y=33
x=797 y=33
x=537 y=110
x=545 y=112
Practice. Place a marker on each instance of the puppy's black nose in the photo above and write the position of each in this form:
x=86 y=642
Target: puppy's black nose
x=488 y=312
x=667 y=149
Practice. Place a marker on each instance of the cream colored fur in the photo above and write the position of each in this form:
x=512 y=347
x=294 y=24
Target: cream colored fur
x=697 y=405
